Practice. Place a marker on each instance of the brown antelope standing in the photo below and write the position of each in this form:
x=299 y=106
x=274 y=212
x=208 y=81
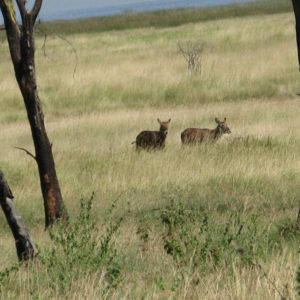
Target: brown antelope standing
x=202 y=135
x=153 y=139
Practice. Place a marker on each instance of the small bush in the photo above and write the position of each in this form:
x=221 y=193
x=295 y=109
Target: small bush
x=192 y=53
x=199 y=241
x=5 y=273
x=78 y=249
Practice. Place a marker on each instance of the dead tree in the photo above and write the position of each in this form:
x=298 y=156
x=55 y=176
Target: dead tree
x=24 y=244
x=192 y=52
x=21 y=45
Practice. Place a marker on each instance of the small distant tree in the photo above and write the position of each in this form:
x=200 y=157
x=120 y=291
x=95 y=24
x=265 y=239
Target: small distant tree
x=192 y=52
x=21 y=43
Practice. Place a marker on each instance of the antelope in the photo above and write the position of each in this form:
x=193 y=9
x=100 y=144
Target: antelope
x=153 y=139
x=202 y=135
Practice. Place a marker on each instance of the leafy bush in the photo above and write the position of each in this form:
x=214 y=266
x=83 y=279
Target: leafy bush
x=199 y=241
x=78 y=250
x=5 y=273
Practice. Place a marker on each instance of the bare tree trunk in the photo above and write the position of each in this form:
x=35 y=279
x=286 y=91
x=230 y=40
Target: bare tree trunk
x=298 y=220
x=22 y=48
x=24 y=244
x=296 y=5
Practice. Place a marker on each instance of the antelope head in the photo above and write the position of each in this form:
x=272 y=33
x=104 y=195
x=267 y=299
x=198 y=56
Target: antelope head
x=164 y=126
x=222 y=126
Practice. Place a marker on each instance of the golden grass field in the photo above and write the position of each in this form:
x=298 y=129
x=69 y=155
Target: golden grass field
x=123 y=82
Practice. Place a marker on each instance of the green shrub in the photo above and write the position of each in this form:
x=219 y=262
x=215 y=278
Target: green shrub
x=78 y=249
x=202 y=241
x=5 y=273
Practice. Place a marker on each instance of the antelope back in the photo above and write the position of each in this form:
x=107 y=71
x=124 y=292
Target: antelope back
x=199 y=135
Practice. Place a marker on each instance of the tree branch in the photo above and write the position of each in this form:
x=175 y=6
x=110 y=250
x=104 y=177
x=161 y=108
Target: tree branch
x=12 y=29
x=8 y=11
x=45 y=32
x=22 y=9
x=30 y=154
x=74 y=51
x=36 y=9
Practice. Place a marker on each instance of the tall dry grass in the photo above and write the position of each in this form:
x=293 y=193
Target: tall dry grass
x=124 y=81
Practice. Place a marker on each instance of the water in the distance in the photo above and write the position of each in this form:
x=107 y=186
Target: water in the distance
x=72 y=9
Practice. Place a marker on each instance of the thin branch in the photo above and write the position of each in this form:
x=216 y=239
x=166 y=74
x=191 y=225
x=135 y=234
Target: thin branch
x=43 y=31
x=40 y=29
x=74 y=51
x=44 y=45
x=12 y=30
x=30 y=154
x=271 y=282
x=36 y=9
x=22 y=9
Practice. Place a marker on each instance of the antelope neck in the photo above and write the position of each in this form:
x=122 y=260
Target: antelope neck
x=162 y=135
x=218 y=132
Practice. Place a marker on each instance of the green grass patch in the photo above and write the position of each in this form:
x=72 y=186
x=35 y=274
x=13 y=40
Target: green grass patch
x=165 y=18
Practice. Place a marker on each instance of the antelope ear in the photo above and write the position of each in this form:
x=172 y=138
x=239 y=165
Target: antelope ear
x=159 y=121
x=217 y=120
x=225 y=119
x=169 y=121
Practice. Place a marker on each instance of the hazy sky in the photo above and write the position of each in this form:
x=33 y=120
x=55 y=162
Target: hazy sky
x=68 y=9
x=58 y=5
x=51 y=5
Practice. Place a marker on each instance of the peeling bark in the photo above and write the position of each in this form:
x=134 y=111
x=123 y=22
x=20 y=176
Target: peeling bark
x=24 y=244
x=22 y=48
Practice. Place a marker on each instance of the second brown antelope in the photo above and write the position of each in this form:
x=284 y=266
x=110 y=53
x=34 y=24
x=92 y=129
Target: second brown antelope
x=202 y=135
x=153 y=139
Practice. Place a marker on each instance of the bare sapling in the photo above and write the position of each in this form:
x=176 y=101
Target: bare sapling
x=192 y=52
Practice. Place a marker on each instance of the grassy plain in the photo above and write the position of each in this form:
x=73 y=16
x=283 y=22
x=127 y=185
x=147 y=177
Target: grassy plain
x=249 y=181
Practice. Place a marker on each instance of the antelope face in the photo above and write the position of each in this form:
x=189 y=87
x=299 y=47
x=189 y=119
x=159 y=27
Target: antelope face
x=223 y=126
x=164 y=126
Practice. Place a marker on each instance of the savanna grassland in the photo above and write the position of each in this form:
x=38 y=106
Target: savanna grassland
x=214 y=221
